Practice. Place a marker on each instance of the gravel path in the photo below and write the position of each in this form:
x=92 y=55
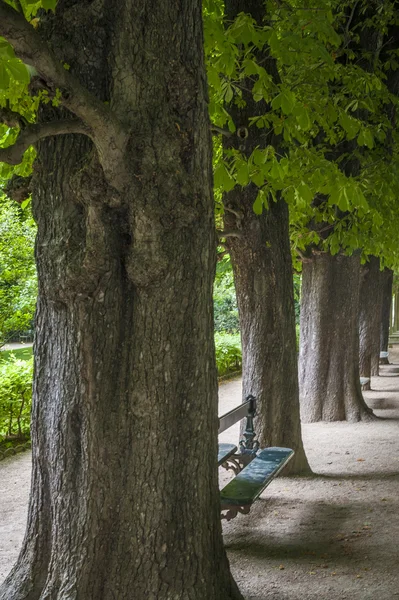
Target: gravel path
x=333 y=536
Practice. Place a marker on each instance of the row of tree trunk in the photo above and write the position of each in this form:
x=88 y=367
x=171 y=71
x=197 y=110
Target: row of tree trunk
x=345 y=310
x=337 y=295
x=344 y=324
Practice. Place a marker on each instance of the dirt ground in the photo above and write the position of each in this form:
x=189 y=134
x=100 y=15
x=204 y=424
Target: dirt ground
x=332 y=536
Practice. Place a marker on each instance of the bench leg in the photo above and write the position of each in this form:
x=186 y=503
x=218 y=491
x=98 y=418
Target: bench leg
x=233 y=510
x=237 y=462
x=233 y=464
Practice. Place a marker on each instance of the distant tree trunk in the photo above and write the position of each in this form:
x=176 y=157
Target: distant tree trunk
x=395 y=324
x=386 y=303
x=329 y=344
x=369 y=318
x=124 y=499
x=262 y=266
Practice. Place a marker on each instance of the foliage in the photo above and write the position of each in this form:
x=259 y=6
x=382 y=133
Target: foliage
x=15 y=397
x=320 y=72
x=18 y=285
x=224 y=299
x=18 y=105
x=228 y=353
x=19 y=353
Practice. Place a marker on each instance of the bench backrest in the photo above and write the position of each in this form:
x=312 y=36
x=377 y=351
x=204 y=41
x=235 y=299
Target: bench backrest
x=246 y=409
x=248 y=445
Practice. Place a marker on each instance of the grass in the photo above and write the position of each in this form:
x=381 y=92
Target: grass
x=20 y=353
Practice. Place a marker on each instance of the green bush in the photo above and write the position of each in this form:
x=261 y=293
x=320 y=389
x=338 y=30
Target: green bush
x=228 y=352
x=224 y=300
x=24 y=353
x=15 y=398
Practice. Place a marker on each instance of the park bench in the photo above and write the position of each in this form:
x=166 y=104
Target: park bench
x=254 y=468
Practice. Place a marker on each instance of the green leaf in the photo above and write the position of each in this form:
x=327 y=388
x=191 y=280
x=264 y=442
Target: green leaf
x=4 y=77
x=223 y=179
x=259 y=157
x=340 y=198
x=276 y=102
x=302 y=117
x=287 y=102
x=305 y=192
x=365 y=138
x=260 y=202
x=231 y=125
x=349 y=124
x=258 y=178
x=49 y=4
x=6 y=51
x=213 y=78
x=278 y=170
x=228 y=94
x=25 y=203
x=18 y=70
x=250 y=67
x=242 y=175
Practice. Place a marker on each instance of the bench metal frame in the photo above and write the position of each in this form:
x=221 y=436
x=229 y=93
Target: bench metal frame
x=269 y=461
x=249 y=446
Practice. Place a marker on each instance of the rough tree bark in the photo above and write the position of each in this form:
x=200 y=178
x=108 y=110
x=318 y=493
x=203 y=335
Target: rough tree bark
x=386 y=302
x=329 y=345
x=261 y=260
x=369 y=318
x=124 y=500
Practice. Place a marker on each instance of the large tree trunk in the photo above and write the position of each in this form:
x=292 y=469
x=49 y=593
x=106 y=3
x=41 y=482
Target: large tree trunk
x=262 y=266
x=386 y=303
x=124 y=500
x=369 y=318
x=329 y=345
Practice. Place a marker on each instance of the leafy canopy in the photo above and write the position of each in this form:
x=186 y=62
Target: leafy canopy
x=331 y=104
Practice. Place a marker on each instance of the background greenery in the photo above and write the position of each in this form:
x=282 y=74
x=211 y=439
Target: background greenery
x=18 y=283
x=15 y=398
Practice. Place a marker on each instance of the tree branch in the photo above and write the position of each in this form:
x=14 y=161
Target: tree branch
x=32 y=50
x=238 y=213
x=33 y=133
x=218 y=130
x=11 y=118
x=229 y=233
x=220 y=255
x=306 y=257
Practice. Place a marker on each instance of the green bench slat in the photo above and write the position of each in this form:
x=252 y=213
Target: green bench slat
x=255 y=477
x=225 y=451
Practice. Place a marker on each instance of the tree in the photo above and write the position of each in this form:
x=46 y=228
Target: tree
x=329 y=349
x=370 y=318
x=258 y=243
x=328 y=383
x=124 y=497
x=386 y=302
x=302 y=81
